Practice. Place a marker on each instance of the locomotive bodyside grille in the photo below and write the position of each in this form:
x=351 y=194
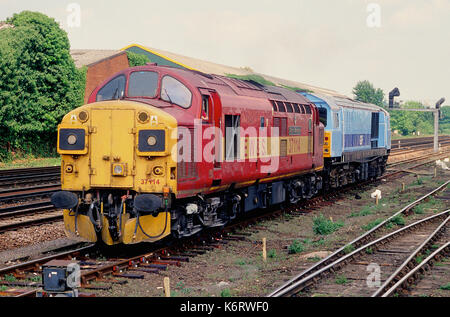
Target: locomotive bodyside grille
x=187 y=170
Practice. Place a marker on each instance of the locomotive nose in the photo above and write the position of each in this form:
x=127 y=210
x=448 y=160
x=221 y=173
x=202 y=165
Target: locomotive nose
x=122 y=141
x=112 y=153
x=112 y=137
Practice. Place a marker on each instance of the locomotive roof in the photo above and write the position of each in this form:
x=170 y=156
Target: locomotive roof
x=336 y=102
x=227 y=85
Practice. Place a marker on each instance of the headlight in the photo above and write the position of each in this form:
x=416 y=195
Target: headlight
x=118 y=169
x=143 y=117
x=152 y=141
x=83 y=116
x=72 y=140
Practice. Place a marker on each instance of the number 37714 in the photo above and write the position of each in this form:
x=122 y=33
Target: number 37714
x=148 y=181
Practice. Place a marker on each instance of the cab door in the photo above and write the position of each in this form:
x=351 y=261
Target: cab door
x=113 y=140
x=211 y=115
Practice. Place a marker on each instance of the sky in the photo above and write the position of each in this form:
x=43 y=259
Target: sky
x=326 y=43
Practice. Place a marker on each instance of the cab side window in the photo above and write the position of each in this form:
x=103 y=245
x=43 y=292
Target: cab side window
x=336 y=120
x=323 y=116
x=115 y=89
x=205 y=107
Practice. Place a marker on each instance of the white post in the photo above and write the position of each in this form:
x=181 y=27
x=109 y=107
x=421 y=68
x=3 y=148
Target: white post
x=436 y=131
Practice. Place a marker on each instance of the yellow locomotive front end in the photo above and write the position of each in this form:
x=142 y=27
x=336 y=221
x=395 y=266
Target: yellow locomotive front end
x=118 y=173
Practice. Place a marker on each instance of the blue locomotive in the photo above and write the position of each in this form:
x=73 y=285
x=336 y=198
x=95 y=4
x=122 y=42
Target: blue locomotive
x=357 y=139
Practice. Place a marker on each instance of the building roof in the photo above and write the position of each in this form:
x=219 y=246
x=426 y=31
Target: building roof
x=4 y=25
x=91 y=57
x=218 y=69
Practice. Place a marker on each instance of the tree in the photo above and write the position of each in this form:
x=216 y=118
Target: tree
x=364 y=91
x=39 y=83
x=444 y=123
x=409 y=122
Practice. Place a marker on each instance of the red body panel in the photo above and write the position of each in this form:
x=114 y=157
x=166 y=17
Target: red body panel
x=252 y=103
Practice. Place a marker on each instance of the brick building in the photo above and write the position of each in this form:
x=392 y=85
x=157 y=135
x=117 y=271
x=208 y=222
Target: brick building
x=101 y=64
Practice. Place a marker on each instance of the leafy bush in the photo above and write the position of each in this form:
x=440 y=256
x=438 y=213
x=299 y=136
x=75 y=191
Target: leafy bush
x=256 y=78
x=135 y=59
x=418 y=210
x=296 y=89
x=372 y=224
x=324 y=226
x=341 y=279
x=367 y=210
x=272 y=254
x=39 y=84
x=225 y=293
x=349 y=249
x=296 y=247
x=398 y=220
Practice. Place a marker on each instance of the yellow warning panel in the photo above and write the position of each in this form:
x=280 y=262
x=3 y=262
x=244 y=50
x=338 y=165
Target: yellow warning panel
x=85 y=229
x=155 y=229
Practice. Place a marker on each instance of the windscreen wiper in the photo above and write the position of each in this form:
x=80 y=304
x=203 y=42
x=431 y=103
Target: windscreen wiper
x=168 y=96
x=116 y=92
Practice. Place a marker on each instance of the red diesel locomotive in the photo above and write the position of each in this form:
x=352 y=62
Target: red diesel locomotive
x=161 y=150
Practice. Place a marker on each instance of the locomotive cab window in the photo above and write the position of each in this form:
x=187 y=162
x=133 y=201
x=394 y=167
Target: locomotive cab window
x=323 y=116
x=173 y=91
x=143 y=84
x=112 y=90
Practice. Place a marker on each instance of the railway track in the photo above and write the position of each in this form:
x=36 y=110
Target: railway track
x=136 y=266
x=421 y=273
x=393 y=255
x=16 y=184
x=414 y=144
x=24 y=197
x=430 y=158
x=14 y=194
x=104 y=269
x=154 y=260
x=20 y=177
x=30 y=171
x=366 y=243
x=438 y=237
x=26 y=208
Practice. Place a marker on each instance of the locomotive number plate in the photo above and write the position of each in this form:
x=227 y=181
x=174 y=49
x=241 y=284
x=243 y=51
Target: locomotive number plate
x=148 y=181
